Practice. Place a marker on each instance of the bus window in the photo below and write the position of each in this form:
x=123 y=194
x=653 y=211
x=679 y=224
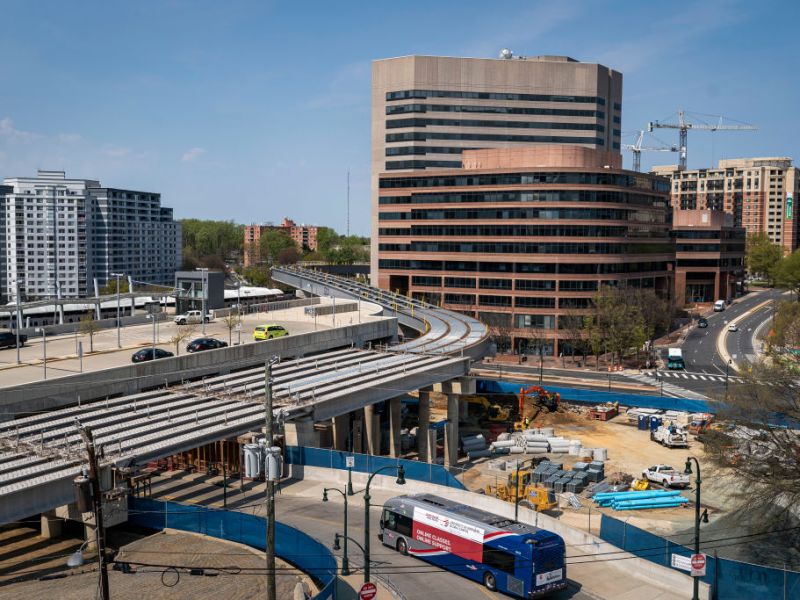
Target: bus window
x=397 y=522
x=498 y=559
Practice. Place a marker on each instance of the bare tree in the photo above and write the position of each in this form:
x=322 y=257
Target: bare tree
x=182 y=333
x=574 y=327
x=231 y=320
x=88 y=326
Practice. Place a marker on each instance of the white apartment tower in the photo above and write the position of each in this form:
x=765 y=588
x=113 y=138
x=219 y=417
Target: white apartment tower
x=58 y=234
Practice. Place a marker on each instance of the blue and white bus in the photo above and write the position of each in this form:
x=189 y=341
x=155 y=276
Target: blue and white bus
x=508 y=557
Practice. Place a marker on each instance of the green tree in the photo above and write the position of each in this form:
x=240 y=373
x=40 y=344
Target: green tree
x=327 y=238
x=111 y=286
x=209 y=243
x=786 y=326
x=761 y=255
x=258 y=276
x=787 y=272
x=272 y=242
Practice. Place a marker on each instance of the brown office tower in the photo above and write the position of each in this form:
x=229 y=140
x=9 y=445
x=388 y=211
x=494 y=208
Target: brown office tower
x=758 y=192
x=426 y=110
x=520 y=237
x=709 y=256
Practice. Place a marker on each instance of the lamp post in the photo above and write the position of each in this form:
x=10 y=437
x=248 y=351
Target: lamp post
x=204 y=271
x=337 y=547
x=118 y=275
x=727 y=370
x=17 y=314
x=401 y=480
x=239 y=309
x=345 y=562
x=697 y=517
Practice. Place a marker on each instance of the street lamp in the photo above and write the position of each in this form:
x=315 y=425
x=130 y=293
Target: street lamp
x=17 y=314
x=345 y=562
x=727 y=370
x=204 y=271
x=697 y=517
x=401 y=480
x=118 y=275
x=337 y=547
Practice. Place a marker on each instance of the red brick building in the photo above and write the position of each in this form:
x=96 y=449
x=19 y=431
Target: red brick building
x=304 y=236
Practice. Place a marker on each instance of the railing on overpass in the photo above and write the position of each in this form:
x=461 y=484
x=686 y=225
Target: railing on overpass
x=291 y=544
x=442 y=331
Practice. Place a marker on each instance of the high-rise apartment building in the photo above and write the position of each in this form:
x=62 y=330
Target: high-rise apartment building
x=61 y=233
x=758 y=192
x=304 y=236
x=523 y=237
x=427 y=110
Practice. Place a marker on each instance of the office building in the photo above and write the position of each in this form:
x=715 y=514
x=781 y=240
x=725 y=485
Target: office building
x=758 y=193
x=426 y=110
x=61 y=234
x=522 y=237
x=709 y=256
x=304 y=236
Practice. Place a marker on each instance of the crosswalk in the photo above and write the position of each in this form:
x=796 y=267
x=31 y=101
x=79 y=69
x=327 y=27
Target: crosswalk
x=691 y=376
x=667 y=389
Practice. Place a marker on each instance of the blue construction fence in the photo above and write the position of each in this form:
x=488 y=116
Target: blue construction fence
x=366 y=463
x=491 y=386
x=291 y=545
x=729 y=579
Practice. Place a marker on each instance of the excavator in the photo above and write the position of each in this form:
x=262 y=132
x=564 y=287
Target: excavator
x=529 y=494
x=480 y=410
x=532 y=400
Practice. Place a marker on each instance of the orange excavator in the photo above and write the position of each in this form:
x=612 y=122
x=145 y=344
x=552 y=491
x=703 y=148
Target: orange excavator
x=532 y=400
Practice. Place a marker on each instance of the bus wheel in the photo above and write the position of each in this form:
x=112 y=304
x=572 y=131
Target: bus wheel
x=402 y=547
x=490 y=582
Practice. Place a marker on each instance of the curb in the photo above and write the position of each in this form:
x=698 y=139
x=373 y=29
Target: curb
x=723 y=336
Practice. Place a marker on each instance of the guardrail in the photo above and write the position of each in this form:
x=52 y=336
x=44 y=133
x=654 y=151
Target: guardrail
x=291 y=544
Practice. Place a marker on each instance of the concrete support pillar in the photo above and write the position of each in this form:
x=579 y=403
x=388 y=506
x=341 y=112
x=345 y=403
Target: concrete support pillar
x=372 y=426
x=358 y=433
x=394 y=427
x=90 y=537
x=51 y=525
x=433 y=448
x=301 y=433
x=451 y=431
x=341 y=431
x=424 y=425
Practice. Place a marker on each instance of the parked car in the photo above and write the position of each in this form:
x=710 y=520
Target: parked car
x=702 y=322
x=733 y=327
x=719 y=305
x=670 y=436
x=206 y=343
x=666 y=476
x=8 y=339
x=193 y=317
x=268 y=332
x=146 y=354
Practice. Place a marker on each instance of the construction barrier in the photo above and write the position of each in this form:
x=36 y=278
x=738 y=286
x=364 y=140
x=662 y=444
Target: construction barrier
x=729 y=579
x=291 y=545
x=366 y=463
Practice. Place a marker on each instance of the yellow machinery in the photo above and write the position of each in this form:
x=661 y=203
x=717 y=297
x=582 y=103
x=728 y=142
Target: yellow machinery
x=536 y=497
x=480 y=410
x=640 y=485
x=531 y=401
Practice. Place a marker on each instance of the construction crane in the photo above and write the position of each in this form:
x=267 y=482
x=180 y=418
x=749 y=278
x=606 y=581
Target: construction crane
x=636 y=149
x=683 y=127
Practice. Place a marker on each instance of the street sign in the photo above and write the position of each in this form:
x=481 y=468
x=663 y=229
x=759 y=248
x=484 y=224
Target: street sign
x=349 y=461
x=684 y=563
x=368 y=591
x=698 y=565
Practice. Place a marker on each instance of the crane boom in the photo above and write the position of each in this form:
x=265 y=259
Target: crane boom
x=637 y=149
x=683 y=127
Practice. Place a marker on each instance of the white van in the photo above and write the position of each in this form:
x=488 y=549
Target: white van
x=719 y=305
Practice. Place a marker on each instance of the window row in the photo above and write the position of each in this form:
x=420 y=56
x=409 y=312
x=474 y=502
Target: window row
x=528 y=196
x=502 y=110
x=422 y=94
x=404 y=123
x=516 y=231
x=532 y=268
x=657 y=217
x=421 y=136
x=525 y=248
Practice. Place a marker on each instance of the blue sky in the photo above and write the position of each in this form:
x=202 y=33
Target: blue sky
x=254 y=110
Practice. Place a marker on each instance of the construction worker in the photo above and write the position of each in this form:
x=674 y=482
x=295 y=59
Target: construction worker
x=526 y=420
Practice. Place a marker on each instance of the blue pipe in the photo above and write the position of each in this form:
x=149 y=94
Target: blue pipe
x=679 y=499
x=672 y=505
x=643 y=494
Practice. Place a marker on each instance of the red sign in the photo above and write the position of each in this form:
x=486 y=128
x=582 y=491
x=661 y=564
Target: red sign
x=698 y=565
x=368 y=591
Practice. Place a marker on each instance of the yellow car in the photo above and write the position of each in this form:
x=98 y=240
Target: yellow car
x=267 y=332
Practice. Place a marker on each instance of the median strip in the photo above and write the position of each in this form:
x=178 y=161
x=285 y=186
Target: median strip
x=722 y=338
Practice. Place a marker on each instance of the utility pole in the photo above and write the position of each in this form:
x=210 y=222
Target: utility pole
x=270 y=483
x=118 y=275
x=19 y=315
x=348 y=202
x=97 y=507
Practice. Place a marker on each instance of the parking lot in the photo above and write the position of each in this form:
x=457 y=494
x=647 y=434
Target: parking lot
x=102 y=352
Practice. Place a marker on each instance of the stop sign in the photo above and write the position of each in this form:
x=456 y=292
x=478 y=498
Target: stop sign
x=698 y=562
x=368 y=591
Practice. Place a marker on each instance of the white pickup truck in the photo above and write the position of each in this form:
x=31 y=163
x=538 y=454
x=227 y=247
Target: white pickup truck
x=666 y=476
x=193 y=317
x=670 y=436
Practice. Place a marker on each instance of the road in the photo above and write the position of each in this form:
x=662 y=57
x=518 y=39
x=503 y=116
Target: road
x=62 y=351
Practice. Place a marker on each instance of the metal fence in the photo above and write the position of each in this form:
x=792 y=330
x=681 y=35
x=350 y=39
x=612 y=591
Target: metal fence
x=292 y=545
x=366 y=463
x=729 y=579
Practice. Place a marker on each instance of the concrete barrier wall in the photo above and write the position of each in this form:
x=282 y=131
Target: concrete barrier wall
x=100 y=324
x=583 y=541
x=47 y=395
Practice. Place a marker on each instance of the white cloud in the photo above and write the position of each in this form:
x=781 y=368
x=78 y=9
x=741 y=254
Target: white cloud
x=192 y=154
x=116 y=151
x=8 y=130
